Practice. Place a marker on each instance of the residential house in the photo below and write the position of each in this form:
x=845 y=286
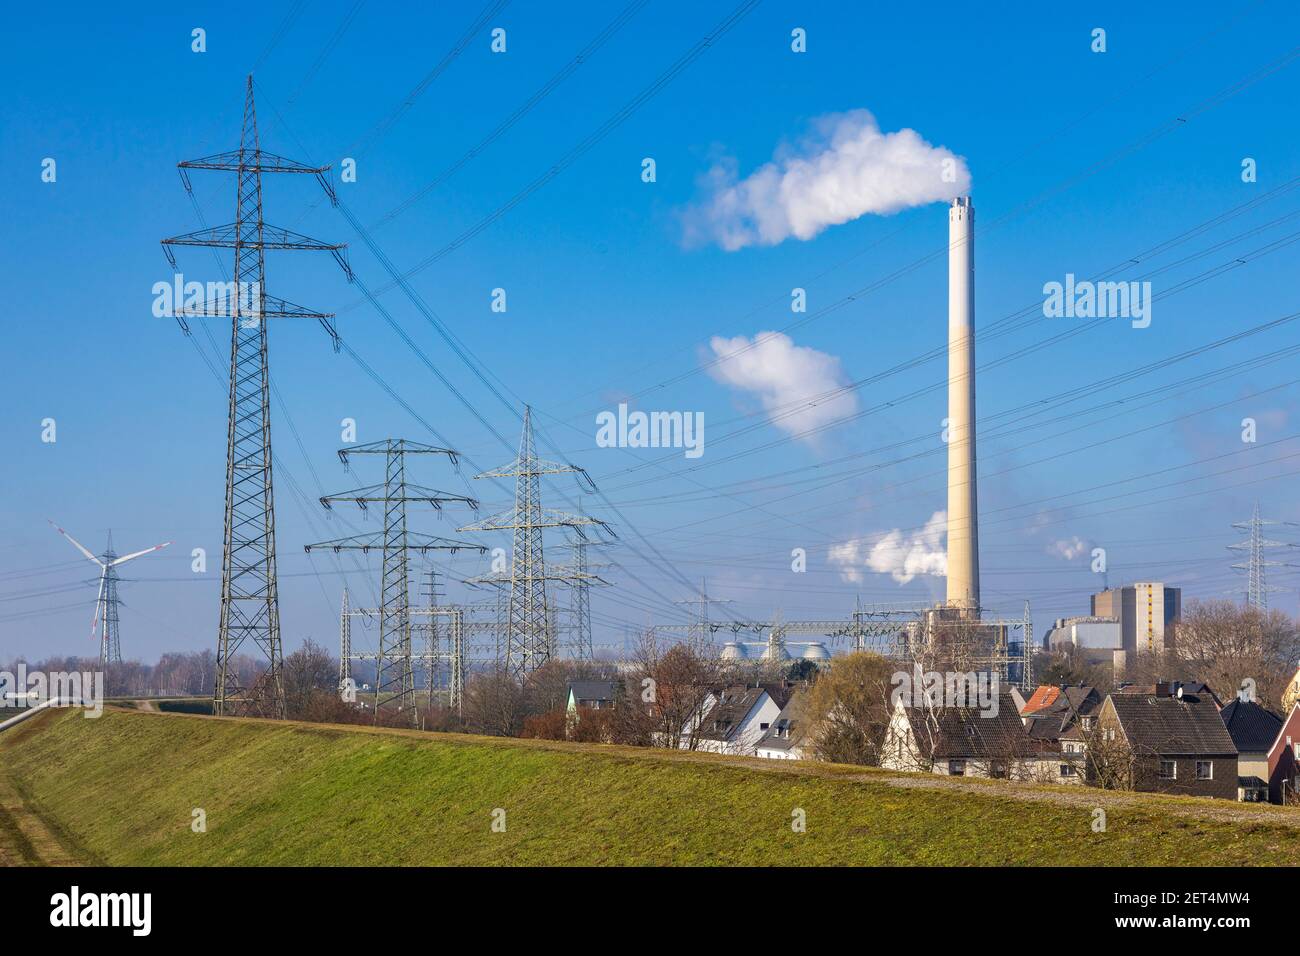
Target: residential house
x=963 y=742
x=1291 y=693
x=1017 y=698
x=1198 y=689
x=1165 y=742
x=732 y=720
x=1284 y=760
x=788 y=737
x=1044 y=696
x=588 y=695
x=1064 y=718
x=1254 y=730
x=591 y=695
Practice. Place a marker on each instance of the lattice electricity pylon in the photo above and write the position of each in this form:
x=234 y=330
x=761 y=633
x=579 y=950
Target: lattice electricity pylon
x=394 y=676
x=250 y=607
x=432 y=599
x=345 y=643
x=1257 y=589
x=459 y=653
x=703 y=633
x=580 y=609
x=529 y=636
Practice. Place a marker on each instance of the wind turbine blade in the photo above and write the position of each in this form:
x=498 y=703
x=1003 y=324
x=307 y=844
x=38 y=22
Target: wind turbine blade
x=94 y=622
x=75 y=543
x=127 y=557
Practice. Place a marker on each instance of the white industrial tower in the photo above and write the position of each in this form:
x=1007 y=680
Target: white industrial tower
x=963 y=508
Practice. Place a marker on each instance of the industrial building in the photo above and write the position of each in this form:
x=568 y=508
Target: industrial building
x=1131 y=619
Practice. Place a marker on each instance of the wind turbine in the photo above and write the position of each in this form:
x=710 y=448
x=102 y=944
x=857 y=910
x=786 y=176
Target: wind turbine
x=110 y=650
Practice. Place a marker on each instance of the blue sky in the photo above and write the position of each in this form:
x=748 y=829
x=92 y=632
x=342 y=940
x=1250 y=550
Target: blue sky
x=1079 y=161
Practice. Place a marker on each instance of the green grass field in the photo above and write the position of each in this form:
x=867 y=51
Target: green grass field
x=121 y=790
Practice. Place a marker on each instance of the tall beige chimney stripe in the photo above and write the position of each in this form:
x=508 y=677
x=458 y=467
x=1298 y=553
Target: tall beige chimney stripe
x=963 y=512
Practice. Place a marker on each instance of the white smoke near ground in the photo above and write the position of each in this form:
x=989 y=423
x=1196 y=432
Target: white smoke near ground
x=901 y=556
x=799 y=387
x=845 y=168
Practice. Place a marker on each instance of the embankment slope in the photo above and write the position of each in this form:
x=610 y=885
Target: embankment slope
x=123 y=788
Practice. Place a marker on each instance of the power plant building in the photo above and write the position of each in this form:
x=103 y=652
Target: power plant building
x=1144 y=610
x=1133 y=619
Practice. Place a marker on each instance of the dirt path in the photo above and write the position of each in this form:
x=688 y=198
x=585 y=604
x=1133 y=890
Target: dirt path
x=25 y=840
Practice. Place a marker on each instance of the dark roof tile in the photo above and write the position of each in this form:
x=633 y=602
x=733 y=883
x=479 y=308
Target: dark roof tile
x=1253 y=728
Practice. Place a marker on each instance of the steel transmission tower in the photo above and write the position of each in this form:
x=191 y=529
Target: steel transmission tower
x=529 y=628
x=702 y=633
x=345 y=643
x=394 y=671
x=1257 y=589
x=432 y=635
x=583 y=649
x=582 y=645
x=110 y=645
x=249 y=595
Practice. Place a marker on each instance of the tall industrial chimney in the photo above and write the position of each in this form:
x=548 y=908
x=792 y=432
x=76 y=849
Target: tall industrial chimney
x=963 y=528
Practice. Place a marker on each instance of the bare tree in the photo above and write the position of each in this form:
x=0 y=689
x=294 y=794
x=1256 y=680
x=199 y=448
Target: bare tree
x=1224 y=644
x=308 y=671
x=668 y=690
x=494 y=704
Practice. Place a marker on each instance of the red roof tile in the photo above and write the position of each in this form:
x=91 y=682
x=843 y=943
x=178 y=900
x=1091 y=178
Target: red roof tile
x=1042 y=698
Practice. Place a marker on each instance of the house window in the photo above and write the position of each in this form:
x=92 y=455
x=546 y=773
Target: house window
x=1087 y=724
x=956 y=768
x=1205 y=770
x=1168 y=770
x=1067 y=770
x=763 y=726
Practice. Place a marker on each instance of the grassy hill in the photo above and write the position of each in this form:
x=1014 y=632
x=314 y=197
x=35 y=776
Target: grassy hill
x=121 y=790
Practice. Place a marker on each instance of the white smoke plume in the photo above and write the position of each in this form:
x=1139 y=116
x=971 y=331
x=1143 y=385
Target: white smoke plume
x=901 y=556
x=845 y=168
x=792 y=381
x=1068 y=548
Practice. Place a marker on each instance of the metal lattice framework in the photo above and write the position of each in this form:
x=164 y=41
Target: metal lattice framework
x=395 y=676
x=899 y=631
x=583 y=579
x=530 y=632
x=110 y=644
x=1257 y=588
x=250 y=610
x=447 y=629
x=345 y=643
